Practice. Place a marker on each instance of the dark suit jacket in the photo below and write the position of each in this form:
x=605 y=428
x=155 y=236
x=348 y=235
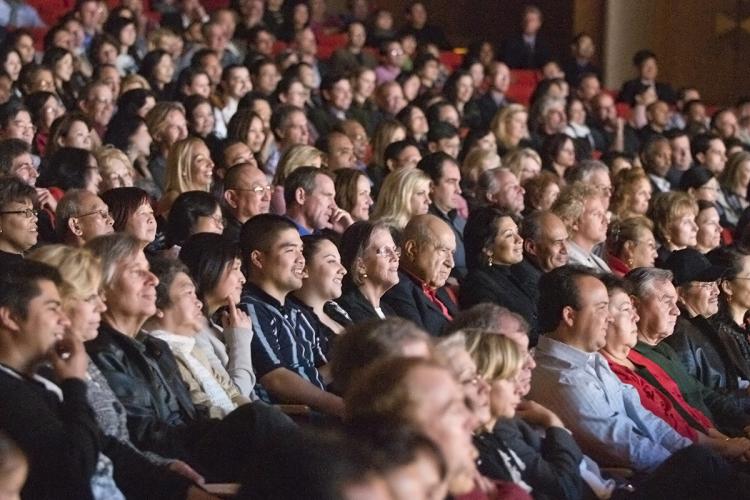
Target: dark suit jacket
x=488 y=108
x=173 y=21
x=409 y=301
x=499 y=285
x=359 y=308
x=517 y=54
x=628 y=92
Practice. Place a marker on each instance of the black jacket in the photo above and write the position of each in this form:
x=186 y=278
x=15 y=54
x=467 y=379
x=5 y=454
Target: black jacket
x=358 y=307
x=409 y=301
x=552 y=461
x=501 y=285
x=518 y=55
x=707 y=354
x=144 y=376
x=61 y=439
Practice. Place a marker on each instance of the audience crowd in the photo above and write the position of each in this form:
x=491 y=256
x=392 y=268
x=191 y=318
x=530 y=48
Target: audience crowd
x=269 y=252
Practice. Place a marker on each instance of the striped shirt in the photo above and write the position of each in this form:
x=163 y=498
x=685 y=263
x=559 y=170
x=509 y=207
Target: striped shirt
x=284 y=338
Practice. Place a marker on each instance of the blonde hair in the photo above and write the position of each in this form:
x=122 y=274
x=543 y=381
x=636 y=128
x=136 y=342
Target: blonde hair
x=394 y=201
x=156 y=118
x=179 y=178
x=81 y=271
x=477 y=161
x=625 y=182
x=133 y=81
x=569 y=205
x=514 y=159
x=622 y=231
x=497 y=357
x=383 y=137
x=299 y=155
x=105 y=155
x=500 y=121
x=668 y=207
x=157 y=36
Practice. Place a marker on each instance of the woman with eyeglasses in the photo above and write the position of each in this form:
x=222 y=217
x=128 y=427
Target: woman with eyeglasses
x=370 y=257
x=18 y=220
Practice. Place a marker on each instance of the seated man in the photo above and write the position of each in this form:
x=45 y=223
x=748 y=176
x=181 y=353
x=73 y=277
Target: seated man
x=445 y=194
x=580 y=208
x=310 y=194
x=286 y=353
x=500 y=188
x=655 y=299
x=699 y=347
x=338 y=150
x=426 y=262
x=62 y=445
x=247 y=193
x=82 y=216
x=605 y=416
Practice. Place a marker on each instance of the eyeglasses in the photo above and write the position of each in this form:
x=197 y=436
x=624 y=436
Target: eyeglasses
x=104 y=214
x=26 y=212
x=259 y=190
x=388 y=251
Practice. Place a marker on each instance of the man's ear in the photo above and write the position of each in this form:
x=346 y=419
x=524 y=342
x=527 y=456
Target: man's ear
x=256 y=259
x=700 y=158
x=568 y=316
x=432 y=146
x=230 y=197
x=299 y=196
x=529 y=246
x=410 y=249
x=8 y=320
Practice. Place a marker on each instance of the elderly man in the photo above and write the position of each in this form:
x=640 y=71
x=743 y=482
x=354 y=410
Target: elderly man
x=607 y=418
x=445 y=194
x=426 y=262
x=97 y=104
x=700 y=348
x=500 y=188
x=580 y=208
x=655 y=299
x=82 y=216
x=247 y=193
x=309 y=194
x=595 y=173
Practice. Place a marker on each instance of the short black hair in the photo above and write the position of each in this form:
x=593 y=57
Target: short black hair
x=9 y=111
x=434 y=163
x=481 y=228
x=260 y=233
x=184 y=214
x=702 y=143
x=441 y=130
x=10 y=149
x=396 y=148
x=19 y=284
x=66 y=169
x=558 y=289
x=642 y=56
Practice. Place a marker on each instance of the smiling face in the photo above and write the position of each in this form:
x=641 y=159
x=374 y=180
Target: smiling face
x=44 y=323
x=78 y=136
x=700 y=298
x=201 y=167
x=380 y=259
x=361 y=209
x=283 y=265
x=183 y=315
x=132 y=293
x=507 y=247
x=324 y=271
x=229 y=286
x=85 y=314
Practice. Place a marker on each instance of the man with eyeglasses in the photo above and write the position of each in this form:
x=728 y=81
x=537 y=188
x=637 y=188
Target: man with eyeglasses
x=82 y=216
x=247 y=193
x=426 y=263
x=97 y=104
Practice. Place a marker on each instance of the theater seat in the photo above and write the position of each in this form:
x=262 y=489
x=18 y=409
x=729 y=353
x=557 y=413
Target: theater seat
x=451 y=59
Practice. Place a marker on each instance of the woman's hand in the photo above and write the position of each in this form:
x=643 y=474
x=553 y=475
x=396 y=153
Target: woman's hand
x=235 y=318
x=183 y=469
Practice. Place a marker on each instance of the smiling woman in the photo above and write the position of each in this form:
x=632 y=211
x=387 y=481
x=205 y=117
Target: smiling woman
x=189 y=168
x=18 y=220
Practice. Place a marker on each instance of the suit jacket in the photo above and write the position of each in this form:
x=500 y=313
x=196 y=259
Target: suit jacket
x=409 y=301
x=628 y=92
x=358 y=307
x=488 y=108
x=499 y=285
x=518 y=55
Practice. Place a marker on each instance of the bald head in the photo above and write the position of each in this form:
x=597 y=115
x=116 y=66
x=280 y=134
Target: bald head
x=429 y=245
x=247 y=191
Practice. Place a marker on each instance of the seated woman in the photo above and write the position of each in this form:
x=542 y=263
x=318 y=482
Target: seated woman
x=146 y=472
x=189 y=168
x=709 y=227
x=18 y=220
x=130 y=208
x=215 y=266
x=370 y=258
x=193 y=212
x=321 y=286
x=658 y=391
x=178 y=319
x=70 y=168
x=673 y=214
x=552 y=462
x=493 y=246
x=115 y=167
x=404 y=194
x=353 y=192
x=630 y=244
x=632 y=193
x=71 y=130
